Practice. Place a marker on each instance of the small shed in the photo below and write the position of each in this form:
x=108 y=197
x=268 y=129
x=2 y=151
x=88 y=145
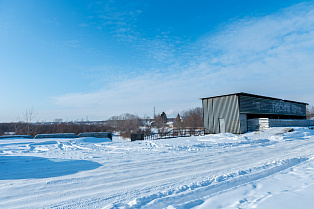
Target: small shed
x=229 y=113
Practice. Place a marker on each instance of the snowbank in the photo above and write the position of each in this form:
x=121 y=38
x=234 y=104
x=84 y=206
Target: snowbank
x=253 y=170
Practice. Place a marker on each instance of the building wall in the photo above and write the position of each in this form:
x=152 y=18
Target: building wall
x=208 y=115
x=234 y=110
x=290 y=123
x=243 y=123
x=258 y=105
x=220 y=109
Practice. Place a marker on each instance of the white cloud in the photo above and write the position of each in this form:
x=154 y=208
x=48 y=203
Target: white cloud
x=83 y=25
x=120 y=19
x=271 y=55
x=72 y=43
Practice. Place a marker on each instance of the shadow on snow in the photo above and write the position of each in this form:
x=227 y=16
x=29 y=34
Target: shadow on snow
x=28 y=167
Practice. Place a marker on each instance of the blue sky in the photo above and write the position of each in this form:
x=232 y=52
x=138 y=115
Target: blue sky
x=74 y=59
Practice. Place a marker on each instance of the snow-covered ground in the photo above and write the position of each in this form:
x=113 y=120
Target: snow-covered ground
x=268 y=169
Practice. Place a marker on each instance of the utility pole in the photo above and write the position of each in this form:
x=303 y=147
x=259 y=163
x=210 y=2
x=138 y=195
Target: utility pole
x=154 y=111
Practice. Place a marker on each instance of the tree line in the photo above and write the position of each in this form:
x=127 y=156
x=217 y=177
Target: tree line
x=124 y=124
x=32 y=129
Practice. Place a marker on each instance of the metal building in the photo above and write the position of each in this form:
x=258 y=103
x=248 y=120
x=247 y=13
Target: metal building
x=229 y=113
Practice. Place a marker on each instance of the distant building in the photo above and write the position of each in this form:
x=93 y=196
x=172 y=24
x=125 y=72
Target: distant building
x=230 y=113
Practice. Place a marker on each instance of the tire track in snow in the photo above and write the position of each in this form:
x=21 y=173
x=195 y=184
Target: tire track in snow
x=103 y=178
x=184 y=188
x=191 y=195
x=136 y=171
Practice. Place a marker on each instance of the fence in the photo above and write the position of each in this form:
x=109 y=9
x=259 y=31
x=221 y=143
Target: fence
x=174 y=133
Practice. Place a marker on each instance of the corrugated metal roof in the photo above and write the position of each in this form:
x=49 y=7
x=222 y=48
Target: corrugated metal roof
x=254 y=95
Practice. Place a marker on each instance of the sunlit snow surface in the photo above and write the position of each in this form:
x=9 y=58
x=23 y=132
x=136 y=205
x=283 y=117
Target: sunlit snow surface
x=268 y=169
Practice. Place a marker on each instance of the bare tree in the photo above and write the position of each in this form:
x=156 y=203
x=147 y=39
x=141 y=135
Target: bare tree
x=178 y=123
x=29 y=116
x=158 y=121
x=125 y=124
x=193 y=118
x=309 y=112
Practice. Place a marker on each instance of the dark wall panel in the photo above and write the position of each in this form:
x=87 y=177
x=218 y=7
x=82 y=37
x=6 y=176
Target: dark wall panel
x=257 y=105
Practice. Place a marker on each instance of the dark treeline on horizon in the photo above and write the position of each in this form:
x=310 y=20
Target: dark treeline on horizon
x=123 y=125
x=34 y=129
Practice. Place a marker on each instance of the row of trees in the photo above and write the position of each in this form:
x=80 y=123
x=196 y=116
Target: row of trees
x=124 y=124
x=192 y=118
x=34 y=129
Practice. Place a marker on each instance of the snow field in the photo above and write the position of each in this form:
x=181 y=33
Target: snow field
x=199 y=171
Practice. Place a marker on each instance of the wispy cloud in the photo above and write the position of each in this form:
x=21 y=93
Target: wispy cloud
x=72 y=43
x=271 y=55
x=120 y=19
x=83 y=25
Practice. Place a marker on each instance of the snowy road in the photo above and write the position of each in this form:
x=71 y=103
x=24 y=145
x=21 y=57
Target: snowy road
x=254 y=170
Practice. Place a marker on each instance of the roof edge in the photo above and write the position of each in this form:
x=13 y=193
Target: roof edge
x=254 y=95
